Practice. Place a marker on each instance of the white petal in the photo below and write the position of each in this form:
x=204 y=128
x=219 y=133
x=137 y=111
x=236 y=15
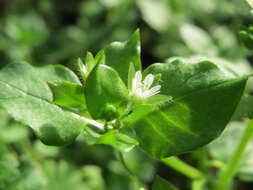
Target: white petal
x=134 y=85
x=148 y=81
x=138 y=77
x=153 y=91
x=138 y=92
x=136 y=82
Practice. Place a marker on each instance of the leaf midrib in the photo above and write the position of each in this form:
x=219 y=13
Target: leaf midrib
x=196 y=91
x=37 y=97
x=25 y=92
x=211 y=86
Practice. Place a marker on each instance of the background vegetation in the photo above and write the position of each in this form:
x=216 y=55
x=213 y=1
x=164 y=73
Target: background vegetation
x=59 y=31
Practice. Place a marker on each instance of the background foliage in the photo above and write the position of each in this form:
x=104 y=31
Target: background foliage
x=56 y=32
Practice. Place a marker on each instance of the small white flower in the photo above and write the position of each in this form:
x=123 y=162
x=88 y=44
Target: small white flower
x=141 y=89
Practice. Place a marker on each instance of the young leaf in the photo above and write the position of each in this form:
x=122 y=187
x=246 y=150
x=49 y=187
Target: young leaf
x=100 y=58
x=246 y=35
x=82 y=68
x=119 y=55
x=68 y=94
x=162 y=184
x=131 y=73
x=203 y=101
x=27 y=97
x=106 y=94
x=90 y=61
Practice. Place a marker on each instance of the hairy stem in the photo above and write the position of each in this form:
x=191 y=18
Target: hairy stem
x=229 y=171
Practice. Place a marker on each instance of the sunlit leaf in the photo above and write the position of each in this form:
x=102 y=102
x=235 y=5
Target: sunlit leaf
x=26 y=96
x=68 y=94
x=119 y=55
x=204 y=97
x=106 y=94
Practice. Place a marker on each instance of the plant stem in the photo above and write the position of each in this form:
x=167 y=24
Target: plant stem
x=198 y=184
x=127 y=110
x=183 y=168
x=93 y=123
x=140 y=186
x=215 y=163
x=229 y=171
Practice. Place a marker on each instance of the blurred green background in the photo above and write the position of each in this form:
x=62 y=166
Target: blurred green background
x=58 y=31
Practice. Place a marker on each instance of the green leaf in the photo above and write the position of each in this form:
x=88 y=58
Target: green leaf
x=62 y=175
x=239 y=67
x=245 y=108
x=46 y=151
x=8 y=164
x=198 y=40
x=27 y=97
x=68 y=94
x=224 y=147
x=51 y=175
x=204 y=98
x=162 y=184
x=119 y=141
x=14 y=132
x=99 y=58
x=81 y=68
x=5 y=118
x=93 y=178
x=157 y=14
x=119 y=55
x=131 y=73
x=28 y=29
x=246 y=35
x=90 y=63
x=106 y=94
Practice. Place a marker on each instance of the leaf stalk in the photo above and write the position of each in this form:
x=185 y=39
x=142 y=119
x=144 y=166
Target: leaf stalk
x=182 y=167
